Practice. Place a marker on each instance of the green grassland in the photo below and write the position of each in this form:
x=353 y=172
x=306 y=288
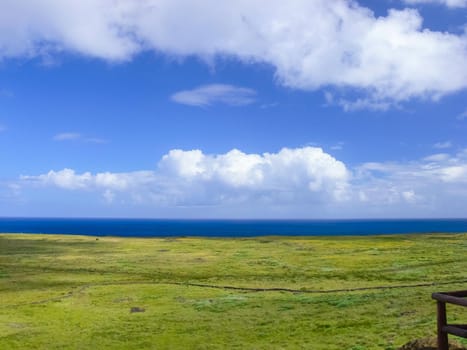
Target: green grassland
x=356 y=293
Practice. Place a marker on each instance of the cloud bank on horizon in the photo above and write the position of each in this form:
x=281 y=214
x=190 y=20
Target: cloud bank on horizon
x=300 y=182
x=184 y=177
x=310 y=44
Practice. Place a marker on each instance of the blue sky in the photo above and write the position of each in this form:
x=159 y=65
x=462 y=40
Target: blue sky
x=304 y=109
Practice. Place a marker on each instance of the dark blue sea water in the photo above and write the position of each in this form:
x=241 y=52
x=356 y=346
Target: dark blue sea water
x=227 y=228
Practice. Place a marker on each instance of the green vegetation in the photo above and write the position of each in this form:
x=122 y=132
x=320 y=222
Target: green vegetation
x=75 y=292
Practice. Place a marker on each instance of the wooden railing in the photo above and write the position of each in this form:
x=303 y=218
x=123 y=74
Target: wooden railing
x=456 y=298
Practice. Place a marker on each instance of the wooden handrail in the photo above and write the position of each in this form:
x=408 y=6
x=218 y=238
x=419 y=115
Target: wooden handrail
x=456 y=298
x=451 y=298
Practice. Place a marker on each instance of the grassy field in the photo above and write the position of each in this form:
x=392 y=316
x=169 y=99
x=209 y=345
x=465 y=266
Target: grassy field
x=76 y=292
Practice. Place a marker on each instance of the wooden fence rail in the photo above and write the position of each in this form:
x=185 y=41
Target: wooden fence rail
x=460 y=330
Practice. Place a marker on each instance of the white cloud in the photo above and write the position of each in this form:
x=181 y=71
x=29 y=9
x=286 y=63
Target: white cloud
x=443 y=145
x=359 y=103
x=207 y=95
x=437 y=183
x=66 y=178
x=439 y=157
x=92 y=28
x=338 y=146
x=301 y=169
x=70 y=180
x=311 y=44
x=448 y=3
x=304 y=182
x=74 y=136
x=365 y=103
x=67 y=136
x=409 y=196
x=184 y=177
x=433 y=169
x=457 y=173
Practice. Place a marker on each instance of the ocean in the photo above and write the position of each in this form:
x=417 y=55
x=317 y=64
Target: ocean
x=227 y=228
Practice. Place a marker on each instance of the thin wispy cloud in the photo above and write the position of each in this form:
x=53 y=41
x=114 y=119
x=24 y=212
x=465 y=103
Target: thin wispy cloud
x=338 y=146
x=269 y=105
x=74 y=136
x=438 y=157
x=67 y=136
x=208 y=95
x=443 y=145
x=448 y=3
x=358 y=104
x=371 y=104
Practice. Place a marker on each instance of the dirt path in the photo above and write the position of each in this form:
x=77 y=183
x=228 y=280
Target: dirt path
x=316 y=291
x=82 y=288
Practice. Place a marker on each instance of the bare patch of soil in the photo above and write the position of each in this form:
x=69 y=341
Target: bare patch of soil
x=137 y=309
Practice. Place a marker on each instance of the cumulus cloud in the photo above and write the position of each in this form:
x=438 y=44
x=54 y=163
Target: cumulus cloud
x=310 y=44
x=448 y=3
x=302 y=169
x=306 y=181
x=70 y=180
x=188 y=177
x=207 y=95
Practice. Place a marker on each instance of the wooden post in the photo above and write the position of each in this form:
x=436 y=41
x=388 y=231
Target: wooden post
x=442 y=322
